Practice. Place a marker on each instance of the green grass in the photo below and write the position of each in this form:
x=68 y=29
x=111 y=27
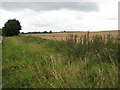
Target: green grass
x=32 y=62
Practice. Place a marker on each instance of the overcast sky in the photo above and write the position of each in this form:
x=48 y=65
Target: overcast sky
x=60 y=16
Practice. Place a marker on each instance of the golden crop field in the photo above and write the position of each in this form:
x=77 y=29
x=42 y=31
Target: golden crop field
x=60 y=36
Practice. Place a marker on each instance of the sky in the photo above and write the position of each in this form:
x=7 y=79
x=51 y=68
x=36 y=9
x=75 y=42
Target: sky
x=62 y=16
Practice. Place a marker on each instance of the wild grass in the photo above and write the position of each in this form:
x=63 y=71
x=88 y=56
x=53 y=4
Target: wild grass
x=32 y=62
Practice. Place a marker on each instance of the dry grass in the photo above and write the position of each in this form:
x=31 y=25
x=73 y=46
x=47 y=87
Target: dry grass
x=60 y=36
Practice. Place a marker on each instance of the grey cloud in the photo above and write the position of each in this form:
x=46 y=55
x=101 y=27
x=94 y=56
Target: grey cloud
x=41 y=25
x=37 y=6
x=112 y=18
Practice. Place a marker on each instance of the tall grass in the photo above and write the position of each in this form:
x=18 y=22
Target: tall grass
x=32 y=62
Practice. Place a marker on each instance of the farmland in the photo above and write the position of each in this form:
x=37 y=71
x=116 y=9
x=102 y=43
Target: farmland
x=39 y=61
x=63 y=35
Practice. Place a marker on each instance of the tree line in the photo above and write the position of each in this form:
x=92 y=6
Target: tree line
x=36 y=32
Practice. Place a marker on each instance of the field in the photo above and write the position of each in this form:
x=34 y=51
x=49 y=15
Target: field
x=30 y=61
x=60 y=36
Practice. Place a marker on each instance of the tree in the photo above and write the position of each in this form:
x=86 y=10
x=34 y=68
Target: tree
x=11 y=28
x=50 y=31
x=45 y=32
x=0 y=31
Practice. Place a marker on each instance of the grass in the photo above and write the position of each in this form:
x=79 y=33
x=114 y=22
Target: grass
x=32 y=62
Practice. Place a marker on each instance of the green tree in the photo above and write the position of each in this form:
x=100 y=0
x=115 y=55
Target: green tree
x=0 y=31
x=50 y=31
x=45 y=32
x=11 y=28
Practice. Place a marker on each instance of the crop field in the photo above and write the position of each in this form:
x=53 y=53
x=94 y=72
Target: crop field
x=60 y=36
x=34 y=62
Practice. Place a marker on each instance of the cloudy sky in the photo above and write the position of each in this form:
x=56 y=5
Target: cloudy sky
x=60 y=16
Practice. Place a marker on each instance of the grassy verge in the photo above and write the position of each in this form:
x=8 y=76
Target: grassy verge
x=31 y=62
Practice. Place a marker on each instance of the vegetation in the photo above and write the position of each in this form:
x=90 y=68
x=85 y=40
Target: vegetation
x=11 y=28
x=50 y=31
x=32 y=62
x=0 y=31
x=36 y=32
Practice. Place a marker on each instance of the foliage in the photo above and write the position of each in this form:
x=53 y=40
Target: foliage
x=50 y=31
x=45 y=32
x=0 y=31
x=11 y=28
x=32 y=62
